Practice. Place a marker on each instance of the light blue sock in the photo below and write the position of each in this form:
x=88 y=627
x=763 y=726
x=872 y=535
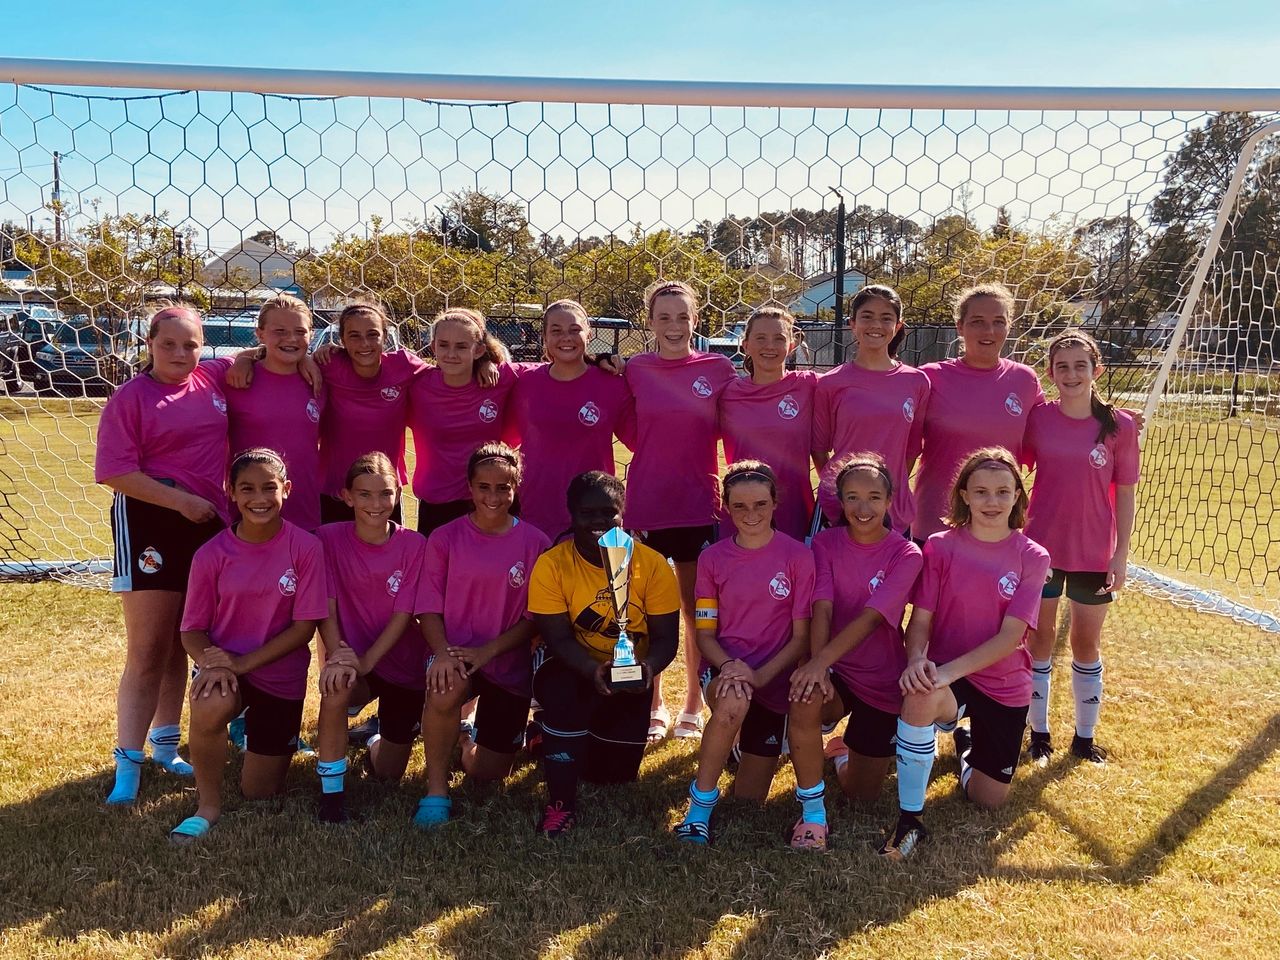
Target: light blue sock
x=813 y=800
x=701 y=803
x=164 y=750
x=332 y=774
x=128 y=776
x=917 y=747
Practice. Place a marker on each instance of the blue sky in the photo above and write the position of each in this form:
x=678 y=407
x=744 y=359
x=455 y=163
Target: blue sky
x=1080 y=42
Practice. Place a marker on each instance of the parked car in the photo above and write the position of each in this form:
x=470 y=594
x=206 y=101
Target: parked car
x=22 y=333
x=83 y=355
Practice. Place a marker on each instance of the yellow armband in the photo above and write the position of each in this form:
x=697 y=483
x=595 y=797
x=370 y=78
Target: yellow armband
x=705 y=614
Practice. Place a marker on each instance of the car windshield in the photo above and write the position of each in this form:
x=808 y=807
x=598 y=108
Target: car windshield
x=77 y=334
x=229 y=335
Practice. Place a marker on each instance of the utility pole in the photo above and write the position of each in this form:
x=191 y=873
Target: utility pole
x=57 y=198
x=839 y=278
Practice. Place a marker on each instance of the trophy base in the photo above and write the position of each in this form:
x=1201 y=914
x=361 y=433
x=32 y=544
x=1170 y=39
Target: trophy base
x=626 y=678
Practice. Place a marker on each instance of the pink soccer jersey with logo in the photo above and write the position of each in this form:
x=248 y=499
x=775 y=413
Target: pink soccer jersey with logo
x=968 y=408
x=671 y=481
x=280 y=411
x=363 y=415
x=563 y=428
x=773 y=422
x=479 y=584
x=758 y=593
x=448 y=424
x=1073 y=501
x=168 y=431
x=855 y=577
x=878 y=410
x=971 y=586
x=245 y=594
x=370 y=583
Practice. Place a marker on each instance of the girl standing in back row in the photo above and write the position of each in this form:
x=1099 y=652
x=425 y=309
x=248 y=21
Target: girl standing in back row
x=1085 y=454
x=672 y=500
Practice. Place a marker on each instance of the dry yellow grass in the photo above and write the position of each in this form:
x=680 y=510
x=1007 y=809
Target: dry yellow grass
x=1170 y=850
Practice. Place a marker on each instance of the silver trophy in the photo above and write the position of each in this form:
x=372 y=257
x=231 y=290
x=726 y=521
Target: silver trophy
x=616 y=548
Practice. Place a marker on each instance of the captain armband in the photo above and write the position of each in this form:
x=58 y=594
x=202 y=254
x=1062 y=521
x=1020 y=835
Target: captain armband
x=706 y=613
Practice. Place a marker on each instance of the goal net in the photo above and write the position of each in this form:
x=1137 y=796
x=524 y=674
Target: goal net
x=112 y=197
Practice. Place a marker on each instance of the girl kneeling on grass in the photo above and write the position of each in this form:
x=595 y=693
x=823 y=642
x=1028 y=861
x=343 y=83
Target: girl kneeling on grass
x=474 y=599
x=1082 y=509
x=978 y=595
x=865 y=575
x=373 y=647
x=255 y=596
x=754 y=597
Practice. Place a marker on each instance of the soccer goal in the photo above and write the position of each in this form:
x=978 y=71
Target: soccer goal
x=1151 y=218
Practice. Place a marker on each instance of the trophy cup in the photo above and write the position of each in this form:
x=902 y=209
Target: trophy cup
x=616 y=547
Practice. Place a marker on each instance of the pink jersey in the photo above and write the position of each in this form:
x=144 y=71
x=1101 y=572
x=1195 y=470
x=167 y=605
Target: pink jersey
x=168 y=431
x=878 y=410
x=563 y=428
x=371 y=583
x=671 y=481
x=448 y=424
x=855 y=577
x=968 y=408
x=479 y=584
x=971 y=586
x=364 y=415
x=280 y=411
x=773 y=422
x=758 y=593
x=1073 y=502
x=245 y=594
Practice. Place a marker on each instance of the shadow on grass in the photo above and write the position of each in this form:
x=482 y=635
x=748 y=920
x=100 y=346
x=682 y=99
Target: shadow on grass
x=488 y=886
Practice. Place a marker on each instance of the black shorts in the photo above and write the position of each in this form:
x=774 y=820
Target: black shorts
x=335 y=510
x=762 y=731
x=681 y=544
x=997 y=730
x=433 y=515
x=616 y=727
x=271 y=723
x=1082 y=586
x=870 y=731
x=153 y=545
x=399 y=709
x=501 y=716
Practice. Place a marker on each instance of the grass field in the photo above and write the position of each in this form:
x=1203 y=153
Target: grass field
x=1170 y=850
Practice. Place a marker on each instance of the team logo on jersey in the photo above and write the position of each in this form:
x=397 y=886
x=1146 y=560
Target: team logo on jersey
x=780 y=586
x=788 y=407
x=488 y=411
x=1098 y=456
x=874 y=583
x=588 y=414
x=313 y=411
x=909 y=409
x=288 y=583
x=1007 y=585
x=1012 y=405
x=390 y=393
x=150 y=561
x=515 y=576
x=393 y=583
x=219 y=402
x=702 y=388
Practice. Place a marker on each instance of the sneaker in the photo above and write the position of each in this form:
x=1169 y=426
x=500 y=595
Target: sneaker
x=907 y=835
x=963 y=740
x=694 y=832
x=1040 y=747
x=557 y=820
x=358 y=736
x=235 y=732
x=1086 y=749
x=304 y=749
x=333 y=808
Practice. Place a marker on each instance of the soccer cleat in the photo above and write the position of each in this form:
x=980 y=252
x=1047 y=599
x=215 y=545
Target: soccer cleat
x=693 y=832
x=333 y=808
x=1085 y=749
x=1040 y=747
x=359 y=735
x=557 y=820
x=907 y=835
x=235 y=732
x=963 y=740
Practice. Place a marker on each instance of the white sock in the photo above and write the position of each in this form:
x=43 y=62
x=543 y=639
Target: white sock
x=1041 y=678
x=1086 y=684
